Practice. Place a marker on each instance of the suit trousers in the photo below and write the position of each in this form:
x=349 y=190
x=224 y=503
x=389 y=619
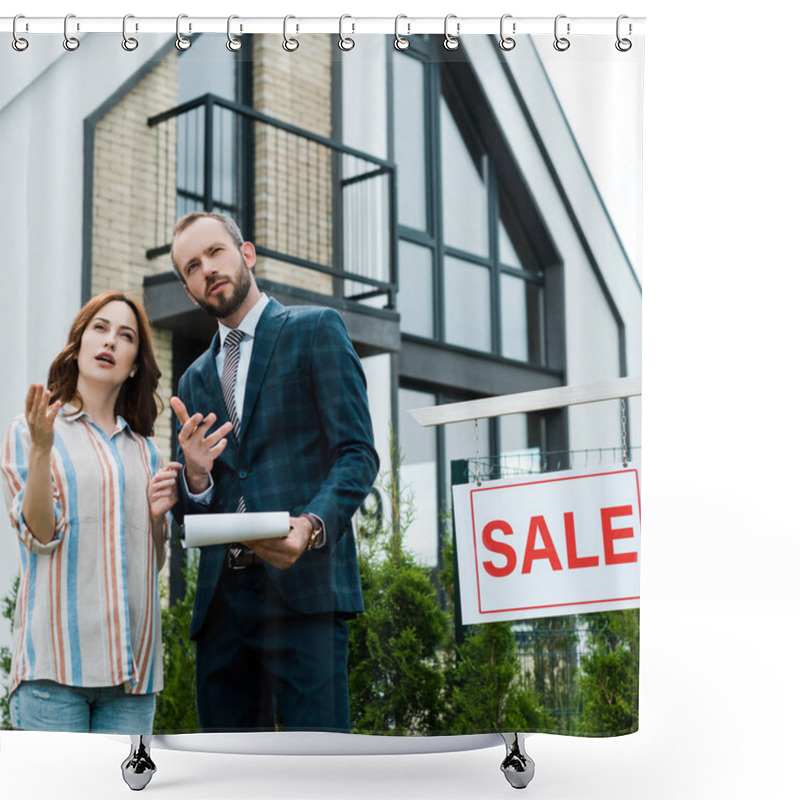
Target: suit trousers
x=258 y=660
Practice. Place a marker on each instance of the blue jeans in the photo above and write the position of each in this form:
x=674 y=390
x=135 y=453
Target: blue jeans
x=50 y=706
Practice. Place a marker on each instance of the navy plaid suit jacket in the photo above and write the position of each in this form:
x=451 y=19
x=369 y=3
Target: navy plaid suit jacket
x=306 y=445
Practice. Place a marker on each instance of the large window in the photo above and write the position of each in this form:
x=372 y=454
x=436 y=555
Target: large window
x=471 y=291
x=468 y=275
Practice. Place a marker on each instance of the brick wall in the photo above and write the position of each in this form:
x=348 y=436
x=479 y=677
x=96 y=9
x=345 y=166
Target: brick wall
x=293 y=207
x=134 y=179
x=130 y=181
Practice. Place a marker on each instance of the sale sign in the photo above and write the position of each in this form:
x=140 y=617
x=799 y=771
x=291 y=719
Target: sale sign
x=547 y=545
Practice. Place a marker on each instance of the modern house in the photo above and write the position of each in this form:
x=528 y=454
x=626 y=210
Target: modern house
x=436 y=199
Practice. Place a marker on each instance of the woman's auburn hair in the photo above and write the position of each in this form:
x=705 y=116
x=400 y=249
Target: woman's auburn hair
x=138 y=402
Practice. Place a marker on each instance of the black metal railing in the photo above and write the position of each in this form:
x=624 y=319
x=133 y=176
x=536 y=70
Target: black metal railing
x=318 y=212
x=534 y=460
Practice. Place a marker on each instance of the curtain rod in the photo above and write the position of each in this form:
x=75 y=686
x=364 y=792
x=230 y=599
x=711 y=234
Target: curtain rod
x=349 y=25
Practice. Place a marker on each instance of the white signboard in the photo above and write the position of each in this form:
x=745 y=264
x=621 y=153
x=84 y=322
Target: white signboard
x=547 y=545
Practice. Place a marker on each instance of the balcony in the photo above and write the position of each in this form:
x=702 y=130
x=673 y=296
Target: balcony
x=321 y=215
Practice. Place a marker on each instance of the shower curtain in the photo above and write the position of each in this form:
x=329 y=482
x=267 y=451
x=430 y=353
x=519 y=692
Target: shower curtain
x=472 y=213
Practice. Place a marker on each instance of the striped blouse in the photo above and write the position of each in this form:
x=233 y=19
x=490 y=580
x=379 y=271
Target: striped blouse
x=87 y=609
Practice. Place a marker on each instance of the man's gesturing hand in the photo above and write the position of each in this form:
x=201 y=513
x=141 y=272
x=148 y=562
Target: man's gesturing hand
x=199 y=450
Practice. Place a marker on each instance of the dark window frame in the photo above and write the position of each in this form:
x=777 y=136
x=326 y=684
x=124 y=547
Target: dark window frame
x=440 y=85
x=510 y=203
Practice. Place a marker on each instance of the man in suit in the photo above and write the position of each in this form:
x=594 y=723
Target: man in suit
x=270 y=619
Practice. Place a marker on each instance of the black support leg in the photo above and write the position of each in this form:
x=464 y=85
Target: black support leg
x=517 y=766
x=138 y=768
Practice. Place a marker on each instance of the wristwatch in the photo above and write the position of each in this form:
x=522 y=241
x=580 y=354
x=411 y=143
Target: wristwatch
x=314 y=540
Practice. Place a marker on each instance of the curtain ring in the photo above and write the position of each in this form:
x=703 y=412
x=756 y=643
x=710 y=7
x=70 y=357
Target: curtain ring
x=400 y=42
x=623 y=45
x=233 y=44
x=451 y=42
x=561 y=43
x=345 y=42
x=289 y=44
x=181 y=42
x=128 y=42
x=70 y=42
x=507 y=42
x=18 y=43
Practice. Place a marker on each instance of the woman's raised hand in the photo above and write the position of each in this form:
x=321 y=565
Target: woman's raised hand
x=162 y=493
x=40 y=414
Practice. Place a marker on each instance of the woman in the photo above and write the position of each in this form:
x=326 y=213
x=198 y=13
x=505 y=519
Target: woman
x=89 y=503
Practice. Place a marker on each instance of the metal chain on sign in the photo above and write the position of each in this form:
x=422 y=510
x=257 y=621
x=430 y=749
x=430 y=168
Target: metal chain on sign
x=623 y=409
x=477 y=454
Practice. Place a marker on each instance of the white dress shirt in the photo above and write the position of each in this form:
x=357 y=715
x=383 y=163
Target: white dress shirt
x=248 y=327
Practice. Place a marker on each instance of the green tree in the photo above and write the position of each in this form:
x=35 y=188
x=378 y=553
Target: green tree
x=551 y=647
x=488 y=690
x=176 y=708
x=9 y=604
x=610 y=674
x=396 y=678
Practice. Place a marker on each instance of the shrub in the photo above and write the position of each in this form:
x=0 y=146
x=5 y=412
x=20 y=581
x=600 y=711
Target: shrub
x=9 y=604
x=610 y=679
x=396 y=678
x=176 y=708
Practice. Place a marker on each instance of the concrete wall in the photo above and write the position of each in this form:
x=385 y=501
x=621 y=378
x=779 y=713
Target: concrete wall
x=46 y=96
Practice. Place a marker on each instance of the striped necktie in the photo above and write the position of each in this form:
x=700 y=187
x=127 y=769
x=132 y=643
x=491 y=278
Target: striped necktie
x=229 y=370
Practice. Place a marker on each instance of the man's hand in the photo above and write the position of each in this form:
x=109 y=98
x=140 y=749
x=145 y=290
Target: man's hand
x=282 y=553
x=199 y=450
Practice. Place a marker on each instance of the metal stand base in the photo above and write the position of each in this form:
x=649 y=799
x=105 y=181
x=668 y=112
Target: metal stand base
x=517 y=766
x=138 y=768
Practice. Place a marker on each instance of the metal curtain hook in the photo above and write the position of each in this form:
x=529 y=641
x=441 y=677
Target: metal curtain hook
x=507 y=42
x=561 y=43
x=18 y=43
x=233 y=44
x=623 y=45
x=400 y=42
x=181 y=42
x=70 y=42
x=345 y=42
x=289 y=44
x=128 y=42
x=451 y=42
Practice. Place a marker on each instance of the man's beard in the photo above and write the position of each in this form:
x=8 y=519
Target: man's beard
x=224 y=307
